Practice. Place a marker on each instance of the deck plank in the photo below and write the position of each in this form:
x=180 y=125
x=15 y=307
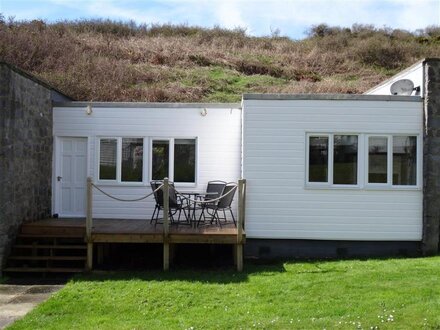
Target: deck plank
x=133 y=231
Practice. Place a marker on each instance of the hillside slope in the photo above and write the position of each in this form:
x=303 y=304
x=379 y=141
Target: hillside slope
x=114 y=61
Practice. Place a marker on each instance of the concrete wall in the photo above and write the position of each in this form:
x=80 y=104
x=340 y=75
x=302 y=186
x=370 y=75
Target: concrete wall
x=25 y=153
x=431 y=158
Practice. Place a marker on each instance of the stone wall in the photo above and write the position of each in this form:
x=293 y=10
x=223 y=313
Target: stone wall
x=25 y=153
x=431 y=158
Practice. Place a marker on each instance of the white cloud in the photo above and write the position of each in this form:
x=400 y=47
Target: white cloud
x=258 y=16
x=229 y=15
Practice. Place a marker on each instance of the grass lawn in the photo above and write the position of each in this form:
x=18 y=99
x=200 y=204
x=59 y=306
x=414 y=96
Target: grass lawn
x=387 y=294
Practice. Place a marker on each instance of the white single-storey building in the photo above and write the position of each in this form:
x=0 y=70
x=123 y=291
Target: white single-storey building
x=327 y=175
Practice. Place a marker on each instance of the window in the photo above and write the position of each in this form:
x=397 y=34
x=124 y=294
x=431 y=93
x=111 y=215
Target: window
x=121 y=159
x=160 y=160
x=405 y=160
x=345 y=159
x=132 y=159
x=392 y=160
x=335 y=165
x=107 y=159
x=184 y=160
x=363 y=160
x=175 y=159
x=377 y=159
x=318 y=159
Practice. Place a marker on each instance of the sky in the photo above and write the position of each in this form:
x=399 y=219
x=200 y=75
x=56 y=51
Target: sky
x=260 y=17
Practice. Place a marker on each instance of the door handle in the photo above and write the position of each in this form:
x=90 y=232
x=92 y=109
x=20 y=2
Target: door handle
x=59 y=178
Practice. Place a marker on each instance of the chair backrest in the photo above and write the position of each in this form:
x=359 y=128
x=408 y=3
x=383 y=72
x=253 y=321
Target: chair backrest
x=172 y=195
x=158 y=195
x=226 y=201
x=215 y=188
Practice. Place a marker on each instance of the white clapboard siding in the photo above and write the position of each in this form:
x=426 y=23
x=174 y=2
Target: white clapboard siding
x=218 y=146
x=280 y=206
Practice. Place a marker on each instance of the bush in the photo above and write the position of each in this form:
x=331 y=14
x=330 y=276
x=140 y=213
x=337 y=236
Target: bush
x=110 y=60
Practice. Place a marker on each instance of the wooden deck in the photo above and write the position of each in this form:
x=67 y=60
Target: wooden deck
x=41 y=240
x=132 y=231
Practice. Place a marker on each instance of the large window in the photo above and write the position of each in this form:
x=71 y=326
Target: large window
x=132 y=159
x=121 y=159
x=175 y=159
x=333 y=159
x=107 y=159
x=392 y=160
x=405 y=160
x=362 y=160
x=160 y=160
x=377 y=159
x=184 y=160
x=318 y=159
x=345 y=159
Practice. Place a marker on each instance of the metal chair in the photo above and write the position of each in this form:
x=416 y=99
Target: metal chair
x=223 y=205
x=214 y=189
x=174 y=202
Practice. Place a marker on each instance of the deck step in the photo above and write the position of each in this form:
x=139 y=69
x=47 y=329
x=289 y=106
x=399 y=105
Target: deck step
x=48 y=258
x=53 y=235
x=42 y=270
x=37 y=246
x=52 y=230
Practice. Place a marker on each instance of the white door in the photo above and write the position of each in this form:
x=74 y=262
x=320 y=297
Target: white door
x=72 y=176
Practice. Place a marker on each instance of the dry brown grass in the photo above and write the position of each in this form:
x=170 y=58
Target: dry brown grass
x=108 y=61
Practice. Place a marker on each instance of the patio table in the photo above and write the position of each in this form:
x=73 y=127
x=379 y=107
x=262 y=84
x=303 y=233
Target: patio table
x=192 y=211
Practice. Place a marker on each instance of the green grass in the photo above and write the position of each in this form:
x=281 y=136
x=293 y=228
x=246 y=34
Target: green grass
x=227 y=85
x=388 y=294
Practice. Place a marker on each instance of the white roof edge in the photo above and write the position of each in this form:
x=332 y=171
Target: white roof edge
x=82 y=104
x=336 y=97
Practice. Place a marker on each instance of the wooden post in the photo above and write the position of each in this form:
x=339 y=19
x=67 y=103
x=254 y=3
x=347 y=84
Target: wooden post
x=89 y=224
x=166 y=206
x=239 y=245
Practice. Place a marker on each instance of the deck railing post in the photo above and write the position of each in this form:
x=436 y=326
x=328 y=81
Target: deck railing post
x=89 y=224
x=240 y=225
x=166 y=245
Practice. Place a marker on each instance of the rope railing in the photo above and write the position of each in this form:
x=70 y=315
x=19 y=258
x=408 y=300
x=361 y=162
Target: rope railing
x=181 y=194
x=128 y=200
x=165 y=187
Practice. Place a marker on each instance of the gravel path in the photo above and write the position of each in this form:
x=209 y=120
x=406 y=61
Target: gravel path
x=17 y=300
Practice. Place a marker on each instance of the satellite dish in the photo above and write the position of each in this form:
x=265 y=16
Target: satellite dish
x=402 y=87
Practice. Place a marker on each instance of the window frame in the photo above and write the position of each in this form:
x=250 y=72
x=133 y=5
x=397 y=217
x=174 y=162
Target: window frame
x=367 y=160
x=363 y=158
x=118 y=181
x=389 y=185
x=171 y=158
x=330 y=160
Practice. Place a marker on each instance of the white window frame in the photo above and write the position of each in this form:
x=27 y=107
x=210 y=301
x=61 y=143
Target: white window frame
x=367 y=160
x=363 y=155
x=330 y=170
x=171 y=159
x=389 y=184
x=118 y=180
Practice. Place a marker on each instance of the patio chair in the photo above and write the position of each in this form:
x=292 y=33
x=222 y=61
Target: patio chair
x=223 y=205
x=214 y=189
x=175 y=203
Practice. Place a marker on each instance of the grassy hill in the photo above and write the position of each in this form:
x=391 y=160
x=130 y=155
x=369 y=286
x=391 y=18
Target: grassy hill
x=103 y=60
